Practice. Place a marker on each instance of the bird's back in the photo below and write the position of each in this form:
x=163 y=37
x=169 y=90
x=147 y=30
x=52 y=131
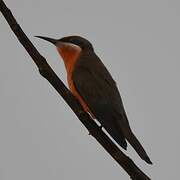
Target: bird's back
x=98 y=90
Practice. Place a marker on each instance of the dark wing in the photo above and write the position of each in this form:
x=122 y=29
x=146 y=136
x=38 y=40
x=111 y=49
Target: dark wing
x=97 y=88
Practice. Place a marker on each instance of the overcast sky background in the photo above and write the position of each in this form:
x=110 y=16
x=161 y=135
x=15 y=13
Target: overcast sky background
x=139 y=42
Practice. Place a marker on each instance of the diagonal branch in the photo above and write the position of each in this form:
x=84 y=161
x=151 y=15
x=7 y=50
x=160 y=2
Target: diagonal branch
x=47 y=72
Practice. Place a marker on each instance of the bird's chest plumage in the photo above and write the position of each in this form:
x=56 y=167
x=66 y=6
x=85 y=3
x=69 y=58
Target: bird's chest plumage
x=70 y=56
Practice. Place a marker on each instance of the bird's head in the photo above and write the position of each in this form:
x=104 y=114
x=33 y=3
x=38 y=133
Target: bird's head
x=70 y=47
x=79 y=41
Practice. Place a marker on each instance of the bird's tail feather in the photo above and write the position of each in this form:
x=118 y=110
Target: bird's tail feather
x=136 y=145
x=123 y=125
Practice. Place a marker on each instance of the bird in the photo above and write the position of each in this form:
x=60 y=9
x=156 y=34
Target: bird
x=93 y=86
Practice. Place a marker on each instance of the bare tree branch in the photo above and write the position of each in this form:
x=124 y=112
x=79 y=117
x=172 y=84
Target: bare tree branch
x=46 y=71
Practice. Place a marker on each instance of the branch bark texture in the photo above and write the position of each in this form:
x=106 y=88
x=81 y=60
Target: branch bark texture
x=47 y=72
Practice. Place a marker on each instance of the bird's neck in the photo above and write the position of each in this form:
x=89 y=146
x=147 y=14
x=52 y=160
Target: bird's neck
x=69 y=56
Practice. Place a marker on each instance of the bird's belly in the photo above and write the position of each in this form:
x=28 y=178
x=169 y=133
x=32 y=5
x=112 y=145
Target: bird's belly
x=76 y=94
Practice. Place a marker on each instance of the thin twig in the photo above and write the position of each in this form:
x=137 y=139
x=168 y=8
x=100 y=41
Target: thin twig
x=46 y=71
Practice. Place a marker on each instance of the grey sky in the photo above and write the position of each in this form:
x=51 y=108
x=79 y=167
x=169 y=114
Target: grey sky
x=139 y=42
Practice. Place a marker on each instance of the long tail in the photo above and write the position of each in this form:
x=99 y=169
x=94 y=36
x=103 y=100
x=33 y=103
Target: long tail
x=120 y=130
x=137 y=145
x=123 y=124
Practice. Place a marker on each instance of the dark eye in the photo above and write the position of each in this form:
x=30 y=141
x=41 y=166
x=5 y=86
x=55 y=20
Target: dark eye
x=71 y=40
x=75 y=41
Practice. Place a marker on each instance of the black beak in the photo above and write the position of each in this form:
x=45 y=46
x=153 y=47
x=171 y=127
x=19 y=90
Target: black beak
x=53 y=41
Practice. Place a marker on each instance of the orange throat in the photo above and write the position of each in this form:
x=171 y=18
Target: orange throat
x=69 y=56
